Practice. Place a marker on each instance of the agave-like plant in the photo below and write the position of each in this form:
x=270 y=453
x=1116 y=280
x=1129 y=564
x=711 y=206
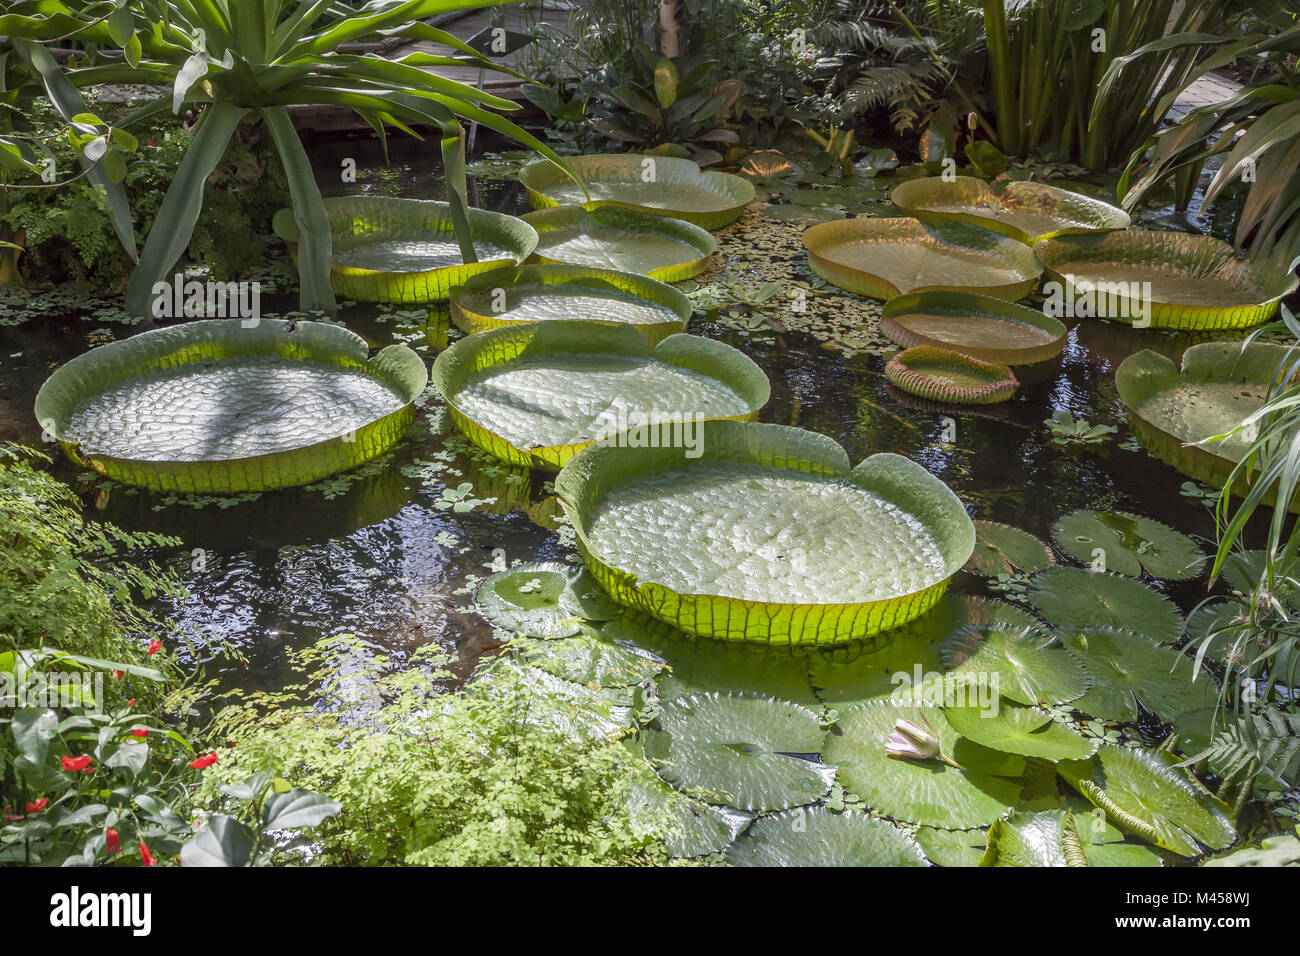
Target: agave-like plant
x=240 y=61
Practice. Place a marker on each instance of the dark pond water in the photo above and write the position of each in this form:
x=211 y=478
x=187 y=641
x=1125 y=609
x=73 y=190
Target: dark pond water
x=377 y=557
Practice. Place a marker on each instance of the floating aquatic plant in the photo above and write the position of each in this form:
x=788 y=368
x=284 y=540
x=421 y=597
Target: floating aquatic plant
x=1128 y=544
x=542 y=599
x=948 y=377
x=1124 y=667
x=1031 y=667
x=818 y=837
x=1002 y=549
x=1073 y=597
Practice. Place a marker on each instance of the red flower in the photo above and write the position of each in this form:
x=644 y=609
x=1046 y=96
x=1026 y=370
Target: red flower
x=77 y=763
x=154 y=648
x=130 y=703
x=38 y=806
x=111 y=842
x=118 y=675
x=140 y=732
x=203 y=763
x=145 y=854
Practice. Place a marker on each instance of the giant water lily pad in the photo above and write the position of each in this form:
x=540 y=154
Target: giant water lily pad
x=659 y=185
x=536 y=394
x=1027 y=731
x=927 y=792
x=949 y=377
x=901 y=660
x=1124 y=668
x=547 y=293
x=1030 y=666
x=744 y=751
x=1196 y=282
x=882 y=258
x=1024 y=211
x=213 y=406
x=1219 y=385
x=980 y=326
x=818 y=837
x=1129 y=544
x=768 y=536
x=388 y=249
x=611 y=238
x=1002 y=549
x=1143 y=792
x=1073 y=597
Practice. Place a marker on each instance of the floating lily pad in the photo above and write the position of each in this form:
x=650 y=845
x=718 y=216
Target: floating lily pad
x=1143 y=792
x=950 y=377
x=1123 y=666
x=1024 y=211
x=536 y=394
x=952 y=847
x=1129 y=544
x=587 y=713
x=882 y=258
x=658 y=185
x=1283 y=850
x=980 y=326
x=767 y=536
x=212 y=406
x=928 y=792
x=1196 y=282
x=612 y=238
x=547 y=293
x=542 y=599
x=696 y=665
x=1027 y=731
x=818 y=837
x=689 y=828
x=1221 y=383
x=592 y=658
x=744 y=751
x=1002 y=549
x=388 y=249
x=1073 y=597
x=1044 y=838
x=1030 y=665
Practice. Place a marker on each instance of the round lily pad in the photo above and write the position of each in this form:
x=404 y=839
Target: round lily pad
x=542 y=599
x=952 y=847
x=613 y=238
x=590 y=657
x=1043 y=838
x=905 y=657
x=1143 y=792
x=1072 y=597
x=215 y=407
x=882 y=258
x=1027 y=731
x=981 y=326
x=941 y=375
x=657 y=185
x=818 y=837
x=688 y=827
x=545 y=293
x=768 y=536
x=1002 y=549
x=389 y=249
x=1122 y=665
x=1029 y=665
x=744 y=751
x=927 y=792
x=536 y=394
x=1129 y=544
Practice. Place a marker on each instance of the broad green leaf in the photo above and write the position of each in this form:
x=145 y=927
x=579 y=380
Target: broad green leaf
x=1128 y=544
x=1029 y=665
x=542 y=599
x=688 y=827
x=1123 y=666
x=1046 y=838
x=221 y=841
x=1002 y=549
x=297 y=808
x=1020 y=730
x=818 y=837
x=1072 y=597
x=33 y=728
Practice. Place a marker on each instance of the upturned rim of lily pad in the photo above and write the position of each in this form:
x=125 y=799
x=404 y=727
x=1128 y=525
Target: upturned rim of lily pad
x=901 y=311
x=599 y=470
x=738 y=192
x=458 y=365
x=914 y=370
x=1196 y=257
x=206 y=340
x=823 y=239
x=470 y=303
x=623 y=222
x=354 y=219
x=1076 y=212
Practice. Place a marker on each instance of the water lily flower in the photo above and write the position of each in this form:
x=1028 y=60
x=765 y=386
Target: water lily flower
x=910 y=741
x=154 y=648
x=145 y=855
x=204 y=763
x=112 y=843
x=77 y=763
x=38 y=805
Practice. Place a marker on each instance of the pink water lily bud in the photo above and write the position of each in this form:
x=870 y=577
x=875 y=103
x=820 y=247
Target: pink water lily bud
x=912 y=741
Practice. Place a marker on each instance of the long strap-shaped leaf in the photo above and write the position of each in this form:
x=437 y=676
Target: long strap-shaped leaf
x=174 y=225
x=453 y=166
x=315 y=247
x=69 y=103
